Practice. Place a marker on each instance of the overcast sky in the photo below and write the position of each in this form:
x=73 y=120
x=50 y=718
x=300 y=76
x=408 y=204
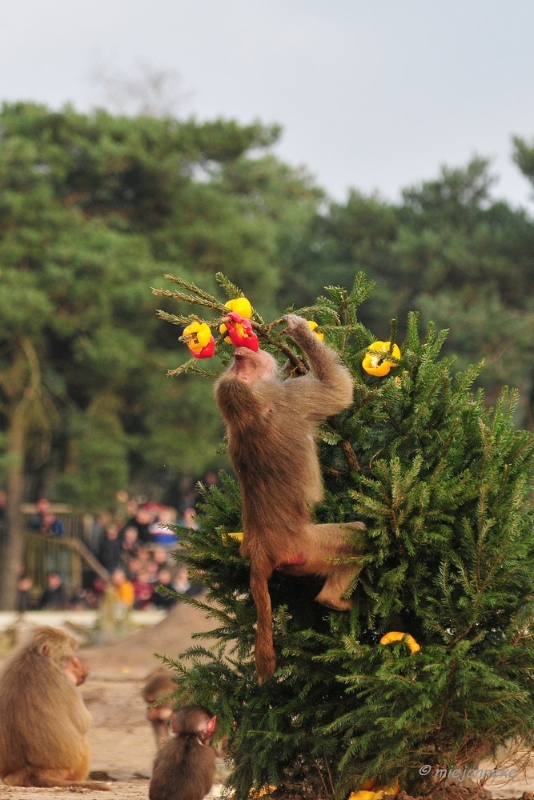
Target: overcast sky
x=372 y=95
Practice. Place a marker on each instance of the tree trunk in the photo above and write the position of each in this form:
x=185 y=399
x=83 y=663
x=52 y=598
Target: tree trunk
x=22 y=385
x=14 y=542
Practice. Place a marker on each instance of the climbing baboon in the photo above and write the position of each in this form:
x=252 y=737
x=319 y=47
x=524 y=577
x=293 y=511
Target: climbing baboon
x=271 y=426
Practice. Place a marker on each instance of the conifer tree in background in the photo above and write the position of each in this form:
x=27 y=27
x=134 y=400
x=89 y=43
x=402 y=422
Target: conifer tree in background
x=443 y=484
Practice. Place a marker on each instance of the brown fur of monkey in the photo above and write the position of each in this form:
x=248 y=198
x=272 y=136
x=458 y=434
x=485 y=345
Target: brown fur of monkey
x=184 y=768
x=159 y=684
x=43 y=719
x=271 y=426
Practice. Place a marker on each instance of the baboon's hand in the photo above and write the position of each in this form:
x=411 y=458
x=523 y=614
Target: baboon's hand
x=296 y=326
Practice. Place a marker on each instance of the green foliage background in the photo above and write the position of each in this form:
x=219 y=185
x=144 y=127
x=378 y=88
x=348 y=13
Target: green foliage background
x=93 y=211
x=95 y=208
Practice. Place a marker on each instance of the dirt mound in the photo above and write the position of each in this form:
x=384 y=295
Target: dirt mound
x=134 y=654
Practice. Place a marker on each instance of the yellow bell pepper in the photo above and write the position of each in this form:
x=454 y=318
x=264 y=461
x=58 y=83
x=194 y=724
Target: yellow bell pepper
x=391 y=788
x=313 y=325
x=238 y=536
x=398 y=636
x=241 y=306
x=197 y=336
x=256 y=793
x=376 y=362
x=368 y=793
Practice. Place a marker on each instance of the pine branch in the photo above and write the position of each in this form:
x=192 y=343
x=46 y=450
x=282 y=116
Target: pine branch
x=230 y=288
x=198 y=296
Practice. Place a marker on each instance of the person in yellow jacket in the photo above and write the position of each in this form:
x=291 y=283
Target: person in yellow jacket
x=123 y=589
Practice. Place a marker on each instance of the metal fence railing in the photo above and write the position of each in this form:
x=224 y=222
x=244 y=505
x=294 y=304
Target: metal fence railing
x=73 y=522
x=46 y=554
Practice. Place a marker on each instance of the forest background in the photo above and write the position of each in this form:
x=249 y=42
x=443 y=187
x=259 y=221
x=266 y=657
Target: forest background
x=96 y=209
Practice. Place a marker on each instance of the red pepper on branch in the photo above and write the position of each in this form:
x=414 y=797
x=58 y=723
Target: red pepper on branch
x=240 y=331
x=199 y=340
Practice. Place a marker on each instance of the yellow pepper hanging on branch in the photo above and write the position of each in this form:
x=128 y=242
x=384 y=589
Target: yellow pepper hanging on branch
x=314 y=325
x=239 y=325
x=399 y=636
x=199 y=339
x=377 y=360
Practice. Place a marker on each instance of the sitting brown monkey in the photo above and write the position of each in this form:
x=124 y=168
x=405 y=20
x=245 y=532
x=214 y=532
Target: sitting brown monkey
x=158 y=685
x=184 y=768
x=43 y=719
x=271 y=425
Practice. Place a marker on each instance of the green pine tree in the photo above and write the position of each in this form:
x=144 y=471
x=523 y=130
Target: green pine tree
x=443 y=484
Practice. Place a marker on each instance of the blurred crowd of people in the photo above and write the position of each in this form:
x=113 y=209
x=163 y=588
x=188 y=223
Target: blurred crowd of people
x=135 y=550
x=136 y=553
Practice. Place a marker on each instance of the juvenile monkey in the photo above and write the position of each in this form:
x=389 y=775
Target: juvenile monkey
x=158 y=685
x=185 y=766
x=271 y=426
x=43 y=719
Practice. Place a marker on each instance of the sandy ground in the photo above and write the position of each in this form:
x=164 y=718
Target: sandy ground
x=121 y=738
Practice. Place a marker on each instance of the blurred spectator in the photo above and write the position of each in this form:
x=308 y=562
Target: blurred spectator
x=82 y=599
x=143 y=590
x=182 y=584
x=123 y=590
x=43 y=506
x=96 y=532
x=143 y=554
x=52 y=525
x=160 y=556
x=164 y=601
x=99 y=588
x=109 y=552
x=160 y=533
x=152 y=571
x=129 y=543
x=210 y=479
x=192 y=495
x=152 y=507
x=133 y=567
x=141 y=521
x=132 y=507
x=45 y=521
x=189 y=519
x=55 y=596
x=24 y=598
